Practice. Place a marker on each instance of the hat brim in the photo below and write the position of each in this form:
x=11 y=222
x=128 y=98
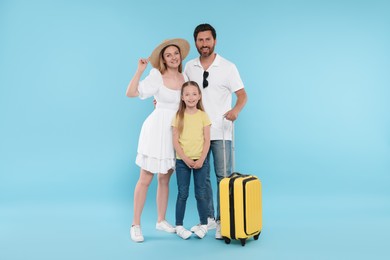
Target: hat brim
x=181 y=43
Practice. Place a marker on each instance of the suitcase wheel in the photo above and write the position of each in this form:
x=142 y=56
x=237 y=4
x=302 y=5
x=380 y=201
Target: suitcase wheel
x=227 y=240
x=242 y=241
x=257 y=236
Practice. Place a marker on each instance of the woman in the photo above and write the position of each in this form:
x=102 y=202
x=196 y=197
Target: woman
x=155 y=148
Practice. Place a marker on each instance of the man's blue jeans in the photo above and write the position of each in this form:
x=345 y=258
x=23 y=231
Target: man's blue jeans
x=183 y=176
x=216 y=148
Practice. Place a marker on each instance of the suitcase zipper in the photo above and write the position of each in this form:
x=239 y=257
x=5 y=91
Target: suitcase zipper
x=231 y=207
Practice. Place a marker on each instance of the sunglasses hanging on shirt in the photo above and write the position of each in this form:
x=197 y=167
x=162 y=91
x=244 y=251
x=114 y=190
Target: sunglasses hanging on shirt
x=205 y=82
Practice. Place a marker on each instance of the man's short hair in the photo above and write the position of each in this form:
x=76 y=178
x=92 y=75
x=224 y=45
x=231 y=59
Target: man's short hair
x=204 y=27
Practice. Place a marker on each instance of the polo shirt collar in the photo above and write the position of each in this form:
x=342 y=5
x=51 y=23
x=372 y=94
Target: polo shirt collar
x=215 y=62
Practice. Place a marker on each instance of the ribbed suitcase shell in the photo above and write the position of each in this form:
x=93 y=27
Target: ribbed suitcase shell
x=240 y=207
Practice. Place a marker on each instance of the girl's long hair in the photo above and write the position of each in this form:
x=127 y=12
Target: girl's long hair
x=182 y=106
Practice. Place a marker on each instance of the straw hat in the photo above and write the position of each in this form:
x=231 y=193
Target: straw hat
x=181 y=43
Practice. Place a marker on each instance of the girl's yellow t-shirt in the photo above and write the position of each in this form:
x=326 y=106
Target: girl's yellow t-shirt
x=192 y=139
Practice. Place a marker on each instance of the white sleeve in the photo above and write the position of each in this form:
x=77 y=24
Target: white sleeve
x=186 y=68
x=150 y=85
x=234 y=79
x=185 y=77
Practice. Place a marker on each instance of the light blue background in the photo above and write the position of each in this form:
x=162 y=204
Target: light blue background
x=316 y=128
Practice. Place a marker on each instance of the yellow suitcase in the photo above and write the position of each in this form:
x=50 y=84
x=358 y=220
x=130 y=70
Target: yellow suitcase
x=240 y=202
x=240 y=207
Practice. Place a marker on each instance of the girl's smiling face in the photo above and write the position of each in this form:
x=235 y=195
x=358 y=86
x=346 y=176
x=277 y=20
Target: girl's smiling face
x=191 y=96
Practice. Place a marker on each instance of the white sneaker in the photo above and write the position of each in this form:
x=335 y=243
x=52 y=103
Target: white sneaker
x=165 y=226
x=194 y=228
x=218 y=230
x=211 y=224
x=136 y=233
x=182 y=232
x=201 y=231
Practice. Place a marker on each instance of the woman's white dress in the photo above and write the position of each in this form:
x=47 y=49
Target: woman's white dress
x=155 y=148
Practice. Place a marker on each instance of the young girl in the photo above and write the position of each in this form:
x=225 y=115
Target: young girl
x=191 y=140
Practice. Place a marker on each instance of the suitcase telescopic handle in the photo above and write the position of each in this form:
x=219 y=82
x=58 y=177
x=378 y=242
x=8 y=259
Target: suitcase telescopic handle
x=224 y=147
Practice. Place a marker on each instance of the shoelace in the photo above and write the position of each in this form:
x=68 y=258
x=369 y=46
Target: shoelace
x=137 y=231
x=182 y=231
x=166 y=223
x=203 y=229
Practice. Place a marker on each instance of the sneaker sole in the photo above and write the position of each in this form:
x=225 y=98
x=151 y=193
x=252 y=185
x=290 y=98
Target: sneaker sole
x=185 y=238
x=168 y=231
x=200 y=235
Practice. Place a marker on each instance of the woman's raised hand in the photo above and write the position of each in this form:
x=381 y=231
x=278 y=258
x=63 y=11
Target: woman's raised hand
x=142 y=64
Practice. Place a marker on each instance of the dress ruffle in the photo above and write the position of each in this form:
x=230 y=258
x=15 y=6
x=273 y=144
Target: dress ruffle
x=155 y=165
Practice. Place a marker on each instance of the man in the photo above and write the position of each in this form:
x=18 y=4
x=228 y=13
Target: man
x=219 y=79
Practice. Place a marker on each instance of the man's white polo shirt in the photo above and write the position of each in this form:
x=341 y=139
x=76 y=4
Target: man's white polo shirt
x=224 y=79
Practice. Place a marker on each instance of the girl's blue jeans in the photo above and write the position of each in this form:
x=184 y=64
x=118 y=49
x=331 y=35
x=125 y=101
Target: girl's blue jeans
x=183 y=176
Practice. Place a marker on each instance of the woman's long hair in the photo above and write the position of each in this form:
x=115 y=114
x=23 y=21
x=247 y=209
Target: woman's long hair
x=182 y=106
